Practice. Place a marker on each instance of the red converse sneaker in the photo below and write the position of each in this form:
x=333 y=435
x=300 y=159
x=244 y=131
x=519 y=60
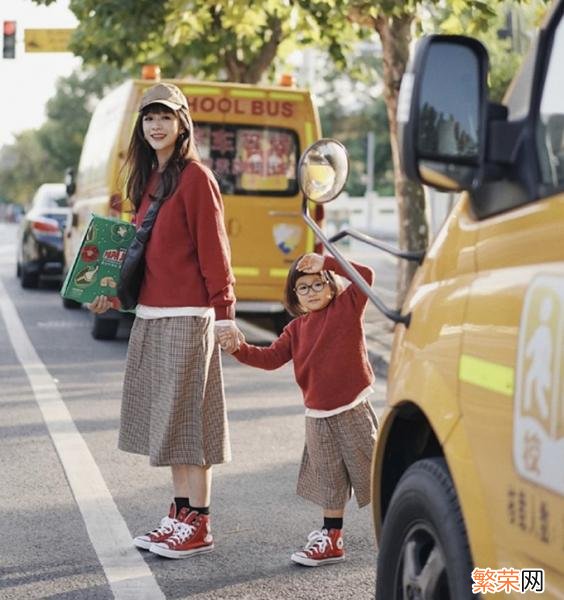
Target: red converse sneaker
x=191 y=536
x=323 y=547
x=161 y=533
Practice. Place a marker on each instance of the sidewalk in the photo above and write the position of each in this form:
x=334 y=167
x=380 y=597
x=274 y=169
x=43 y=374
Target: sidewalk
x=379 y=335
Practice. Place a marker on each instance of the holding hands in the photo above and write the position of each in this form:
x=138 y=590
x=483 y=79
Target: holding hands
x=311 y=263
x=229 y=337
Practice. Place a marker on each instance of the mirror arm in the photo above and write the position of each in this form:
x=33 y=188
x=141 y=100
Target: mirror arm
x=362 y=237
x=355 y=277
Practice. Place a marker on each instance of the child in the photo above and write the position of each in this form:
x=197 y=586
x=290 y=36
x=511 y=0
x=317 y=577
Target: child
x=326 y=344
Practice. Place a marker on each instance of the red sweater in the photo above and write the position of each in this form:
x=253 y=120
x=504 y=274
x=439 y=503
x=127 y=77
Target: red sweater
x=188 y=256
x=327 y=346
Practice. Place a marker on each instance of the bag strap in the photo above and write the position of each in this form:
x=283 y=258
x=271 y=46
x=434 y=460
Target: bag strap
x=144 y=232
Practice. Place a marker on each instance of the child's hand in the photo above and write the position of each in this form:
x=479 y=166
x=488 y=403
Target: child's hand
x=311 y=263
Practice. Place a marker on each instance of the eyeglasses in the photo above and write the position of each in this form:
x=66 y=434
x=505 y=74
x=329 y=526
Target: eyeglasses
x=303 y=289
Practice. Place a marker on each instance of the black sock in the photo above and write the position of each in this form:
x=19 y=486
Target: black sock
x=181 y=503
x=204 y=510
x=332 y=523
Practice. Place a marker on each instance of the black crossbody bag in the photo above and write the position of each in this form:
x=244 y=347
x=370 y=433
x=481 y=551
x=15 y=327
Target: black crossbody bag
x=133 y=266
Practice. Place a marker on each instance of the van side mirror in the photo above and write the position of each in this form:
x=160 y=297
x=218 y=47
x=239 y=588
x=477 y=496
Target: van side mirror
x=442 y=111
x=70 y=181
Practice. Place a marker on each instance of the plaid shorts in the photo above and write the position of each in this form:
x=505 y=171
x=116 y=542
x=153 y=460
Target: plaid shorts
x=337 y=457
x=173 y=406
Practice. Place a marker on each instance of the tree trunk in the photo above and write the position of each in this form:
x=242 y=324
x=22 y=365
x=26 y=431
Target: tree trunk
x=395 y=36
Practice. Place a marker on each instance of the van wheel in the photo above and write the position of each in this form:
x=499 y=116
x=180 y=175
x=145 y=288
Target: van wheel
x=29 y=279
x=71 y=304
x=280 y=320
x=424 y=550
x=104 y=329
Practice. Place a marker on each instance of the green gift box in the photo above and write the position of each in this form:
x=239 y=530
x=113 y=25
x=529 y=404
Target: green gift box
x=96 y=266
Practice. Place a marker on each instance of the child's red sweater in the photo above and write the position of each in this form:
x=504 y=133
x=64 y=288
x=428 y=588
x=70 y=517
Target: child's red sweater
x=327 y=346
x=188 y=255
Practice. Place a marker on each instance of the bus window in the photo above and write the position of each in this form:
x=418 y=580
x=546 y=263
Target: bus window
x=250 y=160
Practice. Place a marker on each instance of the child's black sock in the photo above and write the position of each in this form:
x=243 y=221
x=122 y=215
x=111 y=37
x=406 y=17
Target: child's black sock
x=204 y=510
x=181 y=503
x=332 y=523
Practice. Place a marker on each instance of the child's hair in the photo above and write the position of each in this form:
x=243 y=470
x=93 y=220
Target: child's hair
x=142 y=159
x=291 y=300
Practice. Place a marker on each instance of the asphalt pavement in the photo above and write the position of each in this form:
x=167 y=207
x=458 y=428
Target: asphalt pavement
x=51 y=542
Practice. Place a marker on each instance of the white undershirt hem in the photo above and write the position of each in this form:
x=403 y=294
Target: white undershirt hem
x=322 y=414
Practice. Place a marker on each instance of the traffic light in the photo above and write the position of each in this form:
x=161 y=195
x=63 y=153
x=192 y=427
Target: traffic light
x=9 y=47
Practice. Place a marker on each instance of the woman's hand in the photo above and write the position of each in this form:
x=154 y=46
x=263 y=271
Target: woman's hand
x=311 y=263
x=100 y=305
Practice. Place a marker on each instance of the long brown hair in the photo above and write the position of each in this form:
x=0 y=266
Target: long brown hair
x=141 y=159
x=291 y=301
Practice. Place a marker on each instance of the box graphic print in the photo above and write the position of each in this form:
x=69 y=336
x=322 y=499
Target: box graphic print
x=95 y=269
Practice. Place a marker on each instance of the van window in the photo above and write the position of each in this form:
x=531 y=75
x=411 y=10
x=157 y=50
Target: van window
x=550 y=132
x=250 y=160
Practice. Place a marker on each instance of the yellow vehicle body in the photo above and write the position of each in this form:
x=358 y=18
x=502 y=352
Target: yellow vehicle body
x=476 y=379
x=251 y=137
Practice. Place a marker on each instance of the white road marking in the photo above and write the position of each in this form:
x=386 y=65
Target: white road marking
x=127 y=573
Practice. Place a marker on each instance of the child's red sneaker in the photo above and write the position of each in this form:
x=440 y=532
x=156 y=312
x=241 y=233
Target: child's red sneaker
x=191 y=536
x=161 y=533
x=323 y=547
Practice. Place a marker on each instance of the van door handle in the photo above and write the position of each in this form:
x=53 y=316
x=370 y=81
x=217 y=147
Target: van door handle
x=284 y=213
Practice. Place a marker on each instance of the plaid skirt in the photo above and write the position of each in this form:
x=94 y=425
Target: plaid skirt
x=173 y=406
x=337 y=457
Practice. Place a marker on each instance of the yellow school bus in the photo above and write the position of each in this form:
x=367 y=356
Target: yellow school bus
x=251 y=138
x=468 y=468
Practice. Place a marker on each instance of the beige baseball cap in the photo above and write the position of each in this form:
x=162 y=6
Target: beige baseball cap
x=164 y=93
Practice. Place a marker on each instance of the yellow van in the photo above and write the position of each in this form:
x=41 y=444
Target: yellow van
x=251 y=138
x=468 y=469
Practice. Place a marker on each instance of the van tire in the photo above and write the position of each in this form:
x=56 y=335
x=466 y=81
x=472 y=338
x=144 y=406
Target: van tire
x=71 y=304
x=104 y=328
x=424 y=512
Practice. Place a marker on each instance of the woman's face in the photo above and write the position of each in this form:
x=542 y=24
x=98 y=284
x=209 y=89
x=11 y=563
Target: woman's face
x=161 y=130
x=313 y=292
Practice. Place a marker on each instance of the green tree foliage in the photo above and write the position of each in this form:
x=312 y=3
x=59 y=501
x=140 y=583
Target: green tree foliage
x=42 y=155
x=234 y=40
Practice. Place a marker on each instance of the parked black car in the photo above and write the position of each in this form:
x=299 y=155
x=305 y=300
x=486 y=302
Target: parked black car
x=40 y=242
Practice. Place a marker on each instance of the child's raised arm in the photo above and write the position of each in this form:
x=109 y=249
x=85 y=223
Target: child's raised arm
x=330 y=264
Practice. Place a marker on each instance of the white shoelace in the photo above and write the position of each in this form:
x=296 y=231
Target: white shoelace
x=318 y=539
x=182 y=532
x=167 y=525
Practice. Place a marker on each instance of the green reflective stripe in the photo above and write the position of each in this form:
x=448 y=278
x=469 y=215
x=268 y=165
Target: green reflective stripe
x=247 y=94
x=486 y=374
x=278 y=272
x=246 y=271
x=308 y=133
x=200 y=91
x=286 y=96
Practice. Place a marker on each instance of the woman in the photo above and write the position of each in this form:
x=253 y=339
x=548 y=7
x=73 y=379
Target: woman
x=173 y=407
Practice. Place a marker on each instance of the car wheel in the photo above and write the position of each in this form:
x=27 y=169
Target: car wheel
x=29 y=279
x=424 y=550
x=104 y=328
x=71 y=304
x=18 y=270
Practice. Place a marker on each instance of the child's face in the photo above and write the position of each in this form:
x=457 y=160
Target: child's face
x=313 y=299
